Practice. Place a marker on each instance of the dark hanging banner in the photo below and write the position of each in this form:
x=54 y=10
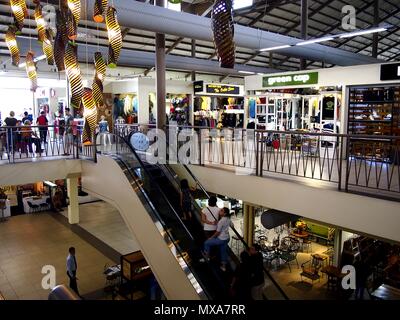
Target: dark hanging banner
x=222 y=89
x=390 y=71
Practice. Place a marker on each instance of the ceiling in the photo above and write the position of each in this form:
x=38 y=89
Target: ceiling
x=282 y=17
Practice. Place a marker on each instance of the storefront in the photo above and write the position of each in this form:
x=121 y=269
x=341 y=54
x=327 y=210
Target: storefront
x=135 y=100
x=355 y=100
x=218 y=105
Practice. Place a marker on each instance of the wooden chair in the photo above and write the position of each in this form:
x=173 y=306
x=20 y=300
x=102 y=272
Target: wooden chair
x=310 y=270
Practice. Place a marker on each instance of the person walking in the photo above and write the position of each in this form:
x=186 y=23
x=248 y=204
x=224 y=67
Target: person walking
x=42 y=122
x=186 y=200
x=220 y=238
x=209 y=217
x=256 y=263
x=11 y=121
x=72 y=267
x=26 y=117
x=241 y=282
x=69 y=119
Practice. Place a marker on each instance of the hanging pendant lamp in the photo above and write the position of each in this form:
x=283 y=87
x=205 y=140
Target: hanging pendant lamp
x=223 y=32
x=90 y=114
x=73 y=74
x=60 y=40
x=100 y=7
x=48 y=47
x=31 y=70
x=20 y=12
x=40 y=23
x=100 y=73
x=12 y=44
x=72 y=30
x=75 y=7
x=114 y=37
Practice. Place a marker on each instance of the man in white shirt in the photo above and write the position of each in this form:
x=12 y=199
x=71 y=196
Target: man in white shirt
x=209 y=217
x=72 y=266
x=220 y=238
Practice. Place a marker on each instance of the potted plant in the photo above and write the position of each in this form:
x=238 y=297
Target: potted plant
x=301 y=226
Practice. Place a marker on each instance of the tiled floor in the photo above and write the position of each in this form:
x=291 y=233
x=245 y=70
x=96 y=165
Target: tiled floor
x=28 y=242
x=105 y=222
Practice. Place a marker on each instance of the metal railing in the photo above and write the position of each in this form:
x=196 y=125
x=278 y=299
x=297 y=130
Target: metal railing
x=365 y=164
x=25 y=143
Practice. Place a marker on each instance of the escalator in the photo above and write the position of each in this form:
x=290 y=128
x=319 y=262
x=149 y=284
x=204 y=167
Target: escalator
x=157 y=187
x=161 y=200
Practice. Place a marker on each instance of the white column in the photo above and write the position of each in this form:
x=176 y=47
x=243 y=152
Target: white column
x=73 y=208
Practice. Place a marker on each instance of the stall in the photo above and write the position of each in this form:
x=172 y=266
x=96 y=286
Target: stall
x=218 y=105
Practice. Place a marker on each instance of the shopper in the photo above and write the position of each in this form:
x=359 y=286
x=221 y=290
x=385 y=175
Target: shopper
x=26 y=117
x=209 y=217
x=220 y=238
x=241 y=282
x=186 y=200
x=256 y=263
x=69 y=119
x=29 y=138
x=42 y=122
x=11 y=136
x=361 y=278
x=72 y=268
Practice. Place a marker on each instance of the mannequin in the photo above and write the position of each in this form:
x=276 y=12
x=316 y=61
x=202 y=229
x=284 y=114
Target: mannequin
x=104 y=131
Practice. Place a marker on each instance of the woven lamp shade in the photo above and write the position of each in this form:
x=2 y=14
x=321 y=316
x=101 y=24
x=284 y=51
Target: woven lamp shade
x=48 y=47
x=20 y=12
x=90 y=114
x=60 y=40
x=100 y=73
x=11 y=41
x=100 y=8
x=40 y=23
x=114 y=37
x=73 y=74
x=31 y=69
x=223 y=31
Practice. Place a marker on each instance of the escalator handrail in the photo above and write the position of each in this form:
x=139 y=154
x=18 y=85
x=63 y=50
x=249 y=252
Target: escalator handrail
x=152 y=206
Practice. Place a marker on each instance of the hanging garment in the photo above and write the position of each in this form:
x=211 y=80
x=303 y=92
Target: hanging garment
x=252 y=108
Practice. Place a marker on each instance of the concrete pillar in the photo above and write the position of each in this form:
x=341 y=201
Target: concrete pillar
x=160 y=76
x=143 y=101
x=337 y=247
x=304 y=28
x=73 y=208
x=193 y=56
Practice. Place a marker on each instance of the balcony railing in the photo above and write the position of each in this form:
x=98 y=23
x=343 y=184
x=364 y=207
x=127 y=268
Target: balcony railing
x=352 y=163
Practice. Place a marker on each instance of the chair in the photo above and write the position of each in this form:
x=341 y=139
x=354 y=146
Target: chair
x=307 y=245
x=310 y=270
x=33 y=207
x=44 y=206
x=289 y=256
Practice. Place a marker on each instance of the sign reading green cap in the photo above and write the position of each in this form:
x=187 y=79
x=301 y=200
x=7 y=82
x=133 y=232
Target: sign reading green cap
x=296 y=79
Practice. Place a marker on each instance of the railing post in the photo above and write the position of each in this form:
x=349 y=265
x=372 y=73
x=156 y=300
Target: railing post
x=347 y=164
x=340 y=163
x=261 y=156
x=257 y=152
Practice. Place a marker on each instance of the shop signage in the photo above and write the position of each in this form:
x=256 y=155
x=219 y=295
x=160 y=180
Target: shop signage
x=291 y=79
x=222 y=89
x=198 y=86
x=390 y=71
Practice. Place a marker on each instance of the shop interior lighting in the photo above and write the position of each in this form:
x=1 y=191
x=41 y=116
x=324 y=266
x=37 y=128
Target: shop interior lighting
x=246 y=72
x=329 y=38
x=50 y=184
x=42 y=57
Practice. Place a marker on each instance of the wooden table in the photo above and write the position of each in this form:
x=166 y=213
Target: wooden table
x=301 y=235
x=334 y=275
x=386 y=292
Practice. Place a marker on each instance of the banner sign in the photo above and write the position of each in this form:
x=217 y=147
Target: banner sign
x=297 y=79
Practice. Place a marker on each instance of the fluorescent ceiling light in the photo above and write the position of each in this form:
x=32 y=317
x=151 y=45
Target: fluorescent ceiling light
x=275 y=48
x=359 y=33
x=240 y=4
x=246 y=72
x=50 y=184
x=303 y=43
x=23 y=64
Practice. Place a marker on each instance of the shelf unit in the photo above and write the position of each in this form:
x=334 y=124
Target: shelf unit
x=374 y=110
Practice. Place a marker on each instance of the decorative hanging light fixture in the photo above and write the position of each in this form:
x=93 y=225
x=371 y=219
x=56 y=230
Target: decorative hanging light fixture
x=73 y=74
x=31 y=69
x=75 y=7
x=60 y=40
x=100 y=7
x=40 y=23
x=114 y=37
x=223 y=32
x=20 y=12
x=100 y=73
x=11 y=41
x=48 y=47
x=72 y=30
x=89 y=113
